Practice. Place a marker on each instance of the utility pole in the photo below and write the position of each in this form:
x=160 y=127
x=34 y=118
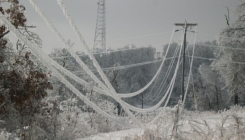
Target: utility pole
x=185 y=26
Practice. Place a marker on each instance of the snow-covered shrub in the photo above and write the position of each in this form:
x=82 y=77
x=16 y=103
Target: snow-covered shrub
x=206 y=91
x=4 y=135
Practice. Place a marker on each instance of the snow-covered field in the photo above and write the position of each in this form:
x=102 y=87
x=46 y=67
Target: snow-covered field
x=227 y=124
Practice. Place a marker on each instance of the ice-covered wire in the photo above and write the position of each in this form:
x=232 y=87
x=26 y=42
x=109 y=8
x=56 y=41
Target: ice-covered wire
x=220 y=36
x=98 y=68
x=127 y=66
x=171 y=87
x=175 y=74
x=127 y=95
x=37 y=52
x=122 y=103
x=94 y=53
x=114 y=95
x=60 y=2
x=95 y=63
x=149 y=94
x=238 y=49
x=79 y=60
x=165 y=77
x=77 y=32
x=73 y=54
x=159 y=91
x=74 y=27
x=169 y=91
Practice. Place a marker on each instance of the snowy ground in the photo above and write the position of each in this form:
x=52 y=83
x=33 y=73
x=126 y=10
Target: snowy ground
x=187 y=125
x=118 y=135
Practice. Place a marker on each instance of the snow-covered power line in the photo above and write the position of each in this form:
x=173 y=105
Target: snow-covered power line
x=198 y=57
x=108 y=52
x=190 y=72
x=95 y=63
x=105 y=87
x=82 y=64
x=129 y=66
x=77 y=32
x=79 y=35
x=167 y=94
x=220 y=36
x=239 y=49
x=57 y=33
x=159 y=90
x=134 y=65
x=124 y=104
x=127 y=95
x=114 y=94
x=117 y=99
x=48 y=62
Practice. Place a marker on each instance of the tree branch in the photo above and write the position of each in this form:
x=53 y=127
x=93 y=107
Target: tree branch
x=2 y=35
x=227 y=17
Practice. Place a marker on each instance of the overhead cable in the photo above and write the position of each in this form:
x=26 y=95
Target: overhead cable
x=37 y=52
x=96 y=65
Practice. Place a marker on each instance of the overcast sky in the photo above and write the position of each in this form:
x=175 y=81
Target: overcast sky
x=131 y=18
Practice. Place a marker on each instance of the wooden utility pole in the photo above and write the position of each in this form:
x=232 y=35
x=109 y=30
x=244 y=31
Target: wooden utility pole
x=185 y=26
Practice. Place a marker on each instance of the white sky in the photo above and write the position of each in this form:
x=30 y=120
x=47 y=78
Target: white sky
x=129 y=18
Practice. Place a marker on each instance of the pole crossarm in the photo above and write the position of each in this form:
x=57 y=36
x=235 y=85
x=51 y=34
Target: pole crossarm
x=186 y=24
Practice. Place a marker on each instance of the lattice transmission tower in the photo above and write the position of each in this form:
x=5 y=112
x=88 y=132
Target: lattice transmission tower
x=100 y=30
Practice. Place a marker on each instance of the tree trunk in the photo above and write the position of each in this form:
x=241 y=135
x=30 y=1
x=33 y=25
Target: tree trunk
x=210 y=107
x=217 y=97
x=236 y=99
